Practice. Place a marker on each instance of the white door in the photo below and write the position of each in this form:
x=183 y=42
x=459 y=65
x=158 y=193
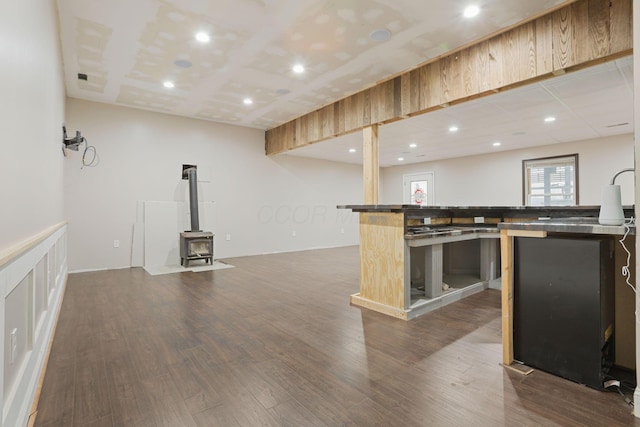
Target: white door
x=418 y=189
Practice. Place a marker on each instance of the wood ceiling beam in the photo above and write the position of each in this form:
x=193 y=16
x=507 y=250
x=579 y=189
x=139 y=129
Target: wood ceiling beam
x=578 y=35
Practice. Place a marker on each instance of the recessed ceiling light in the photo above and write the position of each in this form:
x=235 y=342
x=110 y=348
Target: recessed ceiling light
x=549 y=119
x=247 y=101
x=168 y=84
x=413 y=145
x=453 y=129
x=298 y=68
x=471 y=11
x=497 y=144
x=400 y=159
x=203 y=37
x=352 y=150
x=380 y=35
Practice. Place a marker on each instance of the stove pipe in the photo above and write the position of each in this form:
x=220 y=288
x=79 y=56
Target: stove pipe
x=193 y=198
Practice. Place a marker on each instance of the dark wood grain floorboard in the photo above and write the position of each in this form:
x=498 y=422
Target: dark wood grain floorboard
x=59 y=388
x=274 y=342
x=166 y=402
x=129 y=402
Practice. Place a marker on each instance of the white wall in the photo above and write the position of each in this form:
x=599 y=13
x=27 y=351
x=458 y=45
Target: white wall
x=31 y=196
x=259 y=200
x=31 y=117
x=495 y=179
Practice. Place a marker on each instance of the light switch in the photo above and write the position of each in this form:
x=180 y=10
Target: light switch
x=13 y=344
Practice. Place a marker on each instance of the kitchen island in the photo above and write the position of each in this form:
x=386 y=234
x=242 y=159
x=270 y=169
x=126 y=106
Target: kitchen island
x=414 y=259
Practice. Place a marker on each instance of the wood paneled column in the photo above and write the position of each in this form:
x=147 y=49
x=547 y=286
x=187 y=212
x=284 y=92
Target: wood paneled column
x=370 y=164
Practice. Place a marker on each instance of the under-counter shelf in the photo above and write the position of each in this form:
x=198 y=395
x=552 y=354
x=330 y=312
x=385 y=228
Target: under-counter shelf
x=578 y=225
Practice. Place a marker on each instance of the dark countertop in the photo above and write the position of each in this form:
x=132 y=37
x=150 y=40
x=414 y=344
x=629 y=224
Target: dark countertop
x=487 y=211
x=557 y=219
x=569 y=225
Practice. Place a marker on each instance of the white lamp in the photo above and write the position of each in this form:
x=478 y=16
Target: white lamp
x=611 y=209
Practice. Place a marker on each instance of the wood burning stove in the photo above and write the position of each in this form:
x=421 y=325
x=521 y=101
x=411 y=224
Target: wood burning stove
x=194 y=244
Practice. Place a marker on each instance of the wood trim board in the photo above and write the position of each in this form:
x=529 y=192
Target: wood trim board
x=579 y=34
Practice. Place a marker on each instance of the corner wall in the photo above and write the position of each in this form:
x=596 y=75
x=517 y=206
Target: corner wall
x=260 y=201
x=32 y=271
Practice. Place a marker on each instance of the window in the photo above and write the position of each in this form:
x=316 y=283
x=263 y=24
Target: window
x=550 y=181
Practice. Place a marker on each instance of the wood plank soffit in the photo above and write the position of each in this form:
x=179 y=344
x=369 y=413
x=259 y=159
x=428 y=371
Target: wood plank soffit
x=578 y=35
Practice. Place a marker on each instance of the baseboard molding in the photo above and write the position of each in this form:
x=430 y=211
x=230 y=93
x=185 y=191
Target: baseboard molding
x=356 y=299
x=91 y=270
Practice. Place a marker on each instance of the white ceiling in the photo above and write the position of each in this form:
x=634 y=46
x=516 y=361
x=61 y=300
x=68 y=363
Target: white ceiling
x=127 y=48
x=590 y=103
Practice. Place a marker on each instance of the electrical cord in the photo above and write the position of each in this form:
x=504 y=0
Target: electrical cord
x=627 y=400
x=615 y=385
x=95 y=160
x=626 y=272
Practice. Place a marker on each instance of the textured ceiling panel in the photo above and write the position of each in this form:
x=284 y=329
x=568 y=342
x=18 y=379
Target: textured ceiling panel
x=254 y=44
x=128 y=49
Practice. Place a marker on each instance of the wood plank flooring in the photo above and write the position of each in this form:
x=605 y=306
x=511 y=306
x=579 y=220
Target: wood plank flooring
x=274 y=342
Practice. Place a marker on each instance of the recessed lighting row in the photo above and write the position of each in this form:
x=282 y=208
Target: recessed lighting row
x=203 y=37
x=548 y=119
x=412 y=145
x=297 y=69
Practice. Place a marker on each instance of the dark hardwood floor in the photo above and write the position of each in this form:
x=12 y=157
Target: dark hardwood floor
x=274 y=342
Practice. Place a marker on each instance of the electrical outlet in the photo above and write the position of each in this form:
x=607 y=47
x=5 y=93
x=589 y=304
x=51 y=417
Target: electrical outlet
x=293 y=233
x=116 y=243
x=13 y=345
x=342 y=230
x=228 y=237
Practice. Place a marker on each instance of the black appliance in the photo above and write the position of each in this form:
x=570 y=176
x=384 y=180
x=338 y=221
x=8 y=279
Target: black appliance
x=563 y=313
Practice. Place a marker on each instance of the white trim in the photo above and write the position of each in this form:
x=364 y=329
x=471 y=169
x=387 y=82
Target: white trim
x=91 y=270
x=17 y=403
